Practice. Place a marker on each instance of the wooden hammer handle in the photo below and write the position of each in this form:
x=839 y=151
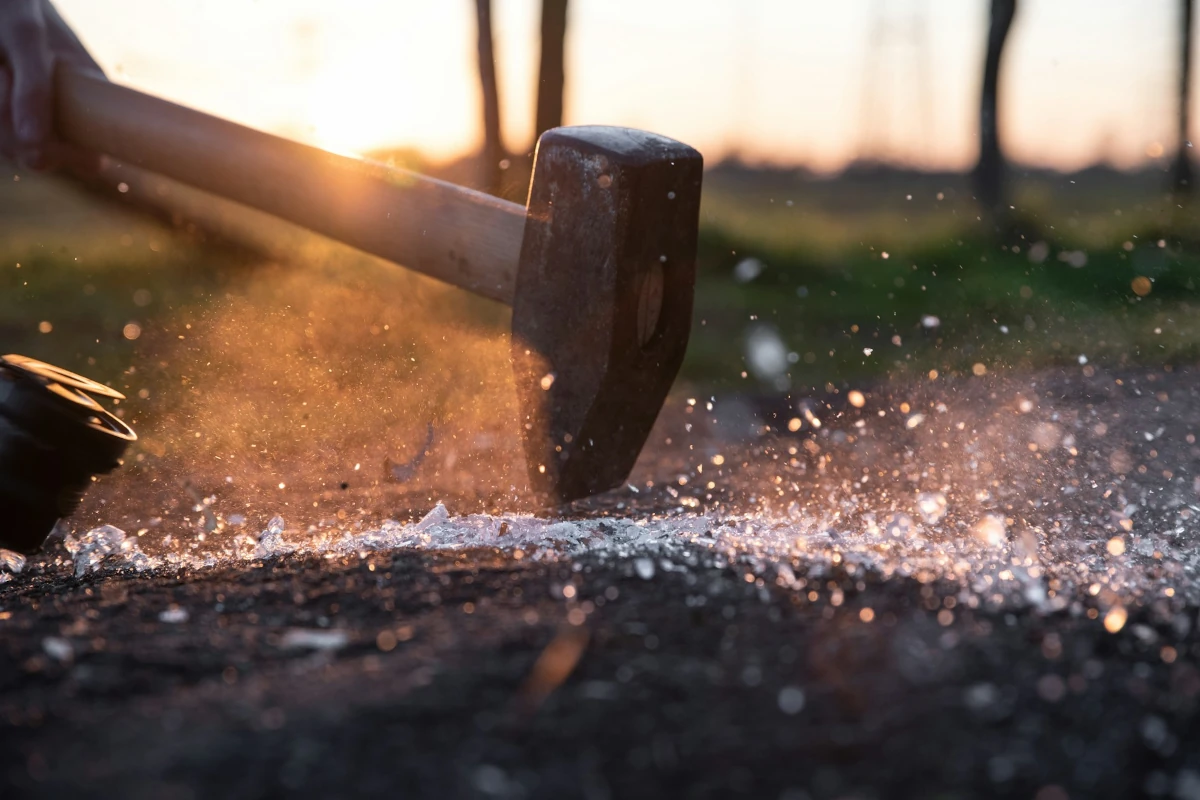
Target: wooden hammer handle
x=463 y=237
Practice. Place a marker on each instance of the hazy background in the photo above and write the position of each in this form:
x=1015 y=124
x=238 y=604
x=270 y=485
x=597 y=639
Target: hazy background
x=795 y=82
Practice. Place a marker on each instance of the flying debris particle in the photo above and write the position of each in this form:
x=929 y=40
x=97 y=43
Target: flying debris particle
x=914 y=421
x=791 y=700
x=547 y=381
x=932 y=506
x=1116 y=546
x=930 y=321
x=868 y=350
x=1120 y=461
x=386 y=641
x=313 y=639
x=553 y=666
x=173 y=615
x=1140 y=285
x=979 y=370
x=1051 y=688
x=856 y=398
x=766 y=355
x=991 y=529
x=1047 y=436
x=58 y=648
x=899 y=526
x=644 y=568
x=1114 y=620
x=981 y=696
x=1155 y=732
x=1073 y=258
x=748 y=269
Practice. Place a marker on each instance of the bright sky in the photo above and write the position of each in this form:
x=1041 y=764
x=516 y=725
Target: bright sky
x=786 y=81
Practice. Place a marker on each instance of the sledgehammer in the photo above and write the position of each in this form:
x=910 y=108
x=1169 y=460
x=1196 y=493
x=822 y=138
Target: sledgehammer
x=599 y=266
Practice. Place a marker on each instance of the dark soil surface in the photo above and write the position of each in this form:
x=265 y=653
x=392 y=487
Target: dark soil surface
x=485 y=672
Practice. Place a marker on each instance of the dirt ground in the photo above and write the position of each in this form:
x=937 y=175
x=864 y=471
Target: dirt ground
x=814 y=636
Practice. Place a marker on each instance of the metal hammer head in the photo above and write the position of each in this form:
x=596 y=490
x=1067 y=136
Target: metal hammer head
x=603 y=301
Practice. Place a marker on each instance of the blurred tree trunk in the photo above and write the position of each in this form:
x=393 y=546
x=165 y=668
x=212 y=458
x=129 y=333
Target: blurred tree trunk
x=551 y=72
x=1181 y=173
x=989 y=171
x=493 y=148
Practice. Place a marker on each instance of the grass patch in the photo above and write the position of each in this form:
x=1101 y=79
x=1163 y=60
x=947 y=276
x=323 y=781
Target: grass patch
x=851 y=265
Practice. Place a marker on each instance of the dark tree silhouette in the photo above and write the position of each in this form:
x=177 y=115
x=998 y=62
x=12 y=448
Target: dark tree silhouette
x=551 y=72
x=1181 y=172
x=493 y=147
x=989 y=171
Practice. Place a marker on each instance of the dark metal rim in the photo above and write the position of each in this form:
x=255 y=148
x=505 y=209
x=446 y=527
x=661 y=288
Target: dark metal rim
x=63 y=416
x=53 y=374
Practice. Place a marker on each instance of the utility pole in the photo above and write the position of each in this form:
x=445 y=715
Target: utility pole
x=493 y=147
x=551 y=68
x=1181 y=172
x=989 y=170
x=895 y=82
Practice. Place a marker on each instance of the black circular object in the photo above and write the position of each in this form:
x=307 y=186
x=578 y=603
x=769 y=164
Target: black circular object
x=54 y=437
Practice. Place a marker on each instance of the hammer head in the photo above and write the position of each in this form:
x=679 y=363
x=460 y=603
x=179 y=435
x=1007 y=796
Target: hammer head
x=603 y=303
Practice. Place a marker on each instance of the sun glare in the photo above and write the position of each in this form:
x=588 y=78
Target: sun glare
x=346 y=112
x=345 y=116
x=361 y=99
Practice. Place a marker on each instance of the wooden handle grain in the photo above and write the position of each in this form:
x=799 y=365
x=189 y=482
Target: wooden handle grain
x=465 y=238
